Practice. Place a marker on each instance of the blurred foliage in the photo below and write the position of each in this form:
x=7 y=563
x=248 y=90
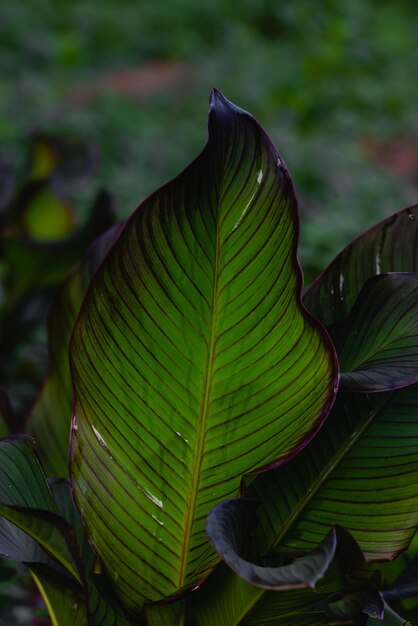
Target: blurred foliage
x=41 y=238
x=334 y=81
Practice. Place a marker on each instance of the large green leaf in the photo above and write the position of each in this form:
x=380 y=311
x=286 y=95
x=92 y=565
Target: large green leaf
x=50 y=417
x=377 y=344
x=390 y=246
x=193 y=360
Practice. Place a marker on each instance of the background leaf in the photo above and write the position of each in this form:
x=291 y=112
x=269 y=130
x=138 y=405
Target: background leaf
x=50 y=418
x=377 y=345
x=389 y=246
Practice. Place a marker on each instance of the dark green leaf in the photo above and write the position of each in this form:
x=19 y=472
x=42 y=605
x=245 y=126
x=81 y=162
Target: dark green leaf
x=26 y=501
x=351 y=605
x=22 y=481
x=193 y=360
x=18 y=546
x=377 y=344
x=390 y=246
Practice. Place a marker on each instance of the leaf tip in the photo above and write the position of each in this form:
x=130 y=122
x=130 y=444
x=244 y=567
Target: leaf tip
x=221 y=106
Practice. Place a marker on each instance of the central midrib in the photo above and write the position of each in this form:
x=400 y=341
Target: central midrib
x=203 y=412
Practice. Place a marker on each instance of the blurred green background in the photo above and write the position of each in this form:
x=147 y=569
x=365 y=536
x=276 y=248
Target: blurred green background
x=333 y=82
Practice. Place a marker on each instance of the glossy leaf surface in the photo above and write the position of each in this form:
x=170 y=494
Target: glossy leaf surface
x=193 y=360
x=389 y=246
x=227 y=527
x=50 y=418
x=377 y=344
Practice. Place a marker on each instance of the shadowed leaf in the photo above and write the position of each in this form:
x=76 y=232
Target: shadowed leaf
x=377 y=344
x=227 y=527
x=26 y=501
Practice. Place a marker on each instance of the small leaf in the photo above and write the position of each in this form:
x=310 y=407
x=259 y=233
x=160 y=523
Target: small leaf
x=389 y=246
x=227 y=527
x=26 y=501
x=377 y=345
x=32 y=264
